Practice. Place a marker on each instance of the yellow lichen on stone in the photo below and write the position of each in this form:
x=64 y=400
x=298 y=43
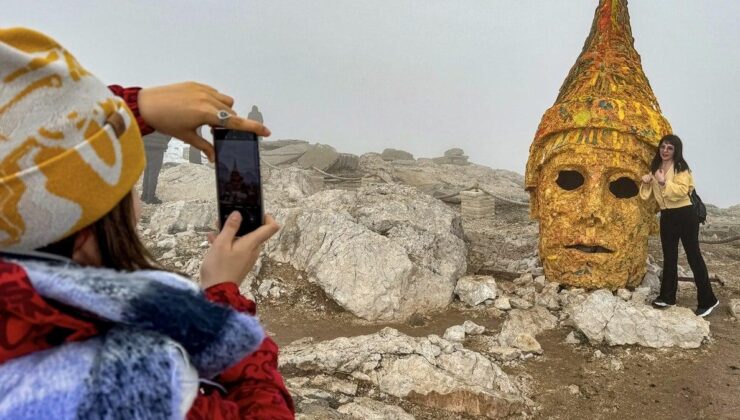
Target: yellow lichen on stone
x=588 y=154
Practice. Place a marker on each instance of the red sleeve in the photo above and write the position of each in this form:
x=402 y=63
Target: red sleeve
x=131 y=96
x=255 y=388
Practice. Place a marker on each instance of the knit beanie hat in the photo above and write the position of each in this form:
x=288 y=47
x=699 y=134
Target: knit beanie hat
x=69 y=149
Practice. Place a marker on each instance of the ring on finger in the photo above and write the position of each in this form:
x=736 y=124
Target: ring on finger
x=223 y=117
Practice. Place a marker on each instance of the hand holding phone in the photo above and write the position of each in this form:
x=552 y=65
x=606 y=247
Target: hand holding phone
x=238 y=179
x=229 y=258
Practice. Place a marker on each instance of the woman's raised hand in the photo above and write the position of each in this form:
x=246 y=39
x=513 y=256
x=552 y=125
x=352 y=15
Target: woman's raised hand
x=660 y=176
x=647 y=178
x=230 y=258
x=179 y=109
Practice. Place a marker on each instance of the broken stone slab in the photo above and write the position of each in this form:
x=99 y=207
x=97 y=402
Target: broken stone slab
x=502 y=303
x=474 y=290
x=394 y=154
x=319 y=156
x=521 y=328
x=266 y=145
x=476 y=205
x=526 y=343
x=504 y=354
x=455 y=151
x=603 y=317
x=367 y=408
x=347 y=162
x=429 y=371
x=519 y=303
x=471 y=328
x=285 y=155
x=548 y=297
x=326 y=383
x=382 y=252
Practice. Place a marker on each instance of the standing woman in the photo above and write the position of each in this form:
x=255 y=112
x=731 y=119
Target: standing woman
x=670 y=183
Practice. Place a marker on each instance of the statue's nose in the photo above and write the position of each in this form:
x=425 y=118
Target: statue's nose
x=594 y=211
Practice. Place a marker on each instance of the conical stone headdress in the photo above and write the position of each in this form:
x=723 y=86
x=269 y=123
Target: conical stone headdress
x=605 y=94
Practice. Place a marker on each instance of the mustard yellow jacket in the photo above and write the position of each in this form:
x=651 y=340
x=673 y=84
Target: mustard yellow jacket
x=675 y=192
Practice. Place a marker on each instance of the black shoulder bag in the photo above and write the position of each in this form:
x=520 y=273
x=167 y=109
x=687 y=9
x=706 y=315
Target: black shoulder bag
x=699 y=207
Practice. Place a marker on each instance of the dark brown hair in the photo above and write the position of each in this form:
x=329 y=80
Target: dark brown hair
x=679 y=163
x=119 y=243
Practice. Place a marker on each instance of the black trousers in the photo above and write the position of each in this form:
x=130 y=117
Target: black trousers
x=682 y=223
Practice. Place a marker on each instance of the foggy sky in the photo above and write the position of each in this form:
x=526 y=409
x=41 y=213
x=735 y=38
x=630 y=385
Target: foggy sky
x=421 y=75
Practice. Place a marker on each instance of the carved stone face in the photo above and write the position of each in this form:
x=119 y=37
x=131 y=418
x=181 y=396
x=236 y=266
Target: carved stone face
x=593 y=224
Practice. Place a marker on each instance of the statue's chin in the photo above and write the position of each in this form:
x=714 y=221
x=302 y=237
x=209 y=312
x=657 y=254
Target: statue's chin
x=592 y=270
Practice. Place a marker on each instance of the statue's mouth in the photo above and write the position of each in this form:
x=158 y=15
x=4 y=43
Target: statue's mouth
x=590 y=249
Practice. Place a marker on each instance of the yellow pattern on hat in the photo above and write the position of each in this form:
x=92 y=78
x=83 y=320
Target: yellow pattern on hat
x=61 y=166
x=605 y=101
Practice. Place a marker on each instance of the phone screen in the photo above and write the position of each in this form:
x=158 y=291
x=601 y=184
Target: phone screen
x=238 y=181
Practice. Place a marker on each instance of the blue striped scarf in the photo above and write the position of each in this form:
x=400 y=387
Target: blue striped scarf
x=163 y=336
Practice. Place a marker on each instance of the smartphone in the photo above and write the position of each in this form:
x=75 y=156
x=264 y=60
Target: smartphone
x=238 y=180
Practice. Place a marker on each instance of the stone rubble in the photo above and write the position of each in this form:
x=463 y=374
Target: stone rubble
x=385 y=252
x=429 y=371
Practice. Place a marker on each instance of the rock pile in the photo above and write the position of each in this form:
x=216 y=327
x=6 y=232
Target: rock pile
x=454 y=156
x=300 y=153
x=430 y=371
x=393 y=154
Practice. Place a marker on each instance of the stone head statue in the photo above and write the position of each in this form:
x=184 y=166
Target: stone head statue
x=587 y=157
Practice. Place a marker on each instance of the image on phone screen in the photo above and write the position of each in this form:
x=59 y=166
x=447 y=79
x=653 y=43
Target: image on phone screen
x=238 y=180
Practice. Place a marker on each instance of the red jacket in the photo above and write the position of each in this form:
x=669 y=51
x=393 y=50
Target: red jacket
x=255 y=389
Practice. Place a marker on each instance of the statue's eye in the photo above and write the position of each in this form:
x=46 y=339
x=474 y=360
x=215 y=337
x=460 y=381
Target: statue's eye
x=623 y=188
x=569 y=180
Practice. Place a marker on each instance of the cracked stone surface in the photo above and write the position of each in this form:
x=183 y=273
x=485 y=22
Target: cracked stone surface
x=474 y=290
x=522 y=326
x=383 y=252
x=603 y=317
x=367 y=408
x=427 y=370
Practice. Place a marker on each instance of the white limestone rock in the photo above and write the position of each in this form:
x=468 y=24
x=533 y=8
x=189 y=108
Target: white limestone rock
x=502 y=303
x=455 y=333
x=603 y=317
x=427 y=370
x=368 y=409
x=383 y=252
x=474 y=290
x=521 y=328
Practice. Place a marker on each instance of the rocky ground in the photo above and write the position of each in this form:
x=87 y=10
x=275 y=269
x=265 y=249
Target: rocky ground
x=390 y=300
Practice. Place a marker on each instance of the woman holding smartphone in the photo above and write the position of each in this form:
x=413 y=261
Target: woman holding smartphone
x=670 y=183
x=90 y=325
